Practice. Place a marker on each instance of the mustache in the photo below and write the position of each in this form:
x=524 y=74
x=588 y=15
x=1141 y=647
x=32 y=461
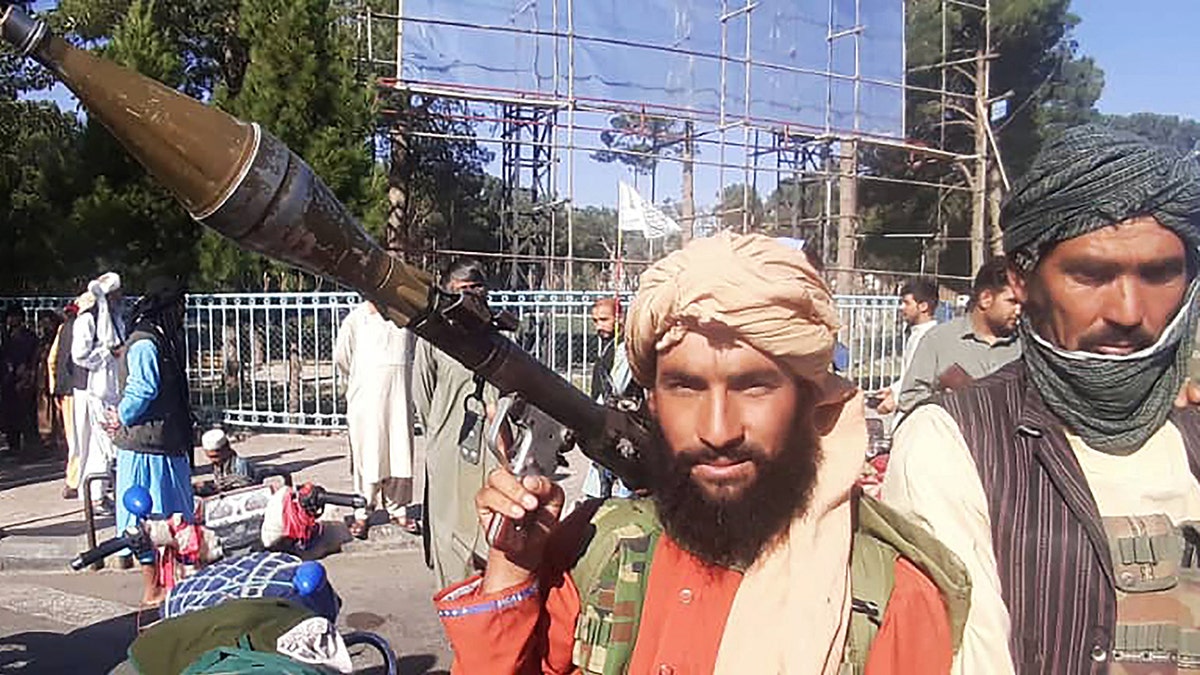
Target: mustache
x=743 y=452
x=1137 y=337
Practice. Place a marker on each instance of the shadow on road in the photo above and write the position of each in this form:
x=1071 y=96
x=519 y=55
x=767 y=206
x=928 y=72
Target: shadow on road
x=420 y=664
x=297 y=466
x=93 y=649
x=269 y=456
x=20 y=475
x=72 y=528
x=416 y=664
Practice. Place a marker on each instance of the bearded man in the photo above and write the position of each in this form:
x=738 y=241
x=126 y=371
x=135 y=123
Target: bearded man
x=753 y=554
x=1061 y=479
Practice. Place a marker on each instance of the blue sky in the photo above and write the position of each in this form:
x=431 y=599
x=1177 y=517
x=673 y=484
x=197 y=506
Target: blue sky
x=1146 y=49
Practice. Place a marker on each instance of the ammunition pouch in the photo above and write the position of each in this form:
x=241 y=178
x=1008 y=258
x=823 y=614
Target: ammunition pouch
x=1158 y=595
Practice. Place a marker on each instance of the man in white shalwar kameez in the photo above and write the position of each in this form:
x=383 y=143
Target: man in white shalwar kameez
x=376 y=357
x=95 y=340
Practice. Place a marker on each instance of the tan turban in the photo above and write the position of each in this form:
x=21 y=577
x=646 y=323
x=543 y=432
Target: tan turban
x=766 y=293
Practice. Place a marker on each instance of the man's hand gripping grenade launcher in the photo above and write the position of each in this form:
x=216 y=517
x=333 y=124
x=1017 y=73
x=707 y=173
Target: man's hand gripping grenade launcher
x=244 y=183
x=528 y=442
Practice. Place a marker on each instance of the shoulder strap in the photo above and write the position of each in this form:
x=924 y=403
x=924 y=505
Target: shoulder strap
x=881 y=536
x=611 y=576
x=872 y=577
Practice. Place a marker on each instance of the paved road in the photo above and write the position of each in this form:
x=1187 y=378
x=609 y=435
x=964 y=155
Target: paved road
x=82 y=623
x=64 y=622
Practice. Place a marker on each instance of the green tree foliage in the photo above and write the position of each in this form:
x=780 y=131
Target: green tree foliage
x=441 y=197
x=124 y=218
x=203 y=33
x=1177 y=132
x=739 y=206
x=77 y=203
x=1049 y=85
x=36 y=165
x=37 y=160
x=300 y=86
x=639 y=142
x=795 y=207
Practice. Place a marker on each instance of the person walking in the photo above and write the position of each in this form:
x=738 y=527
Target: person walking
x=375 y=356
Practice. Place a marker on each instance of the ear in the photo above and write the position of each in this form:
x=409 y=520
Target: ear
x=825 y=417
x=1017 y=283
x=847 y=428
x=986 y=298
x=652 y=402
x=836 y=392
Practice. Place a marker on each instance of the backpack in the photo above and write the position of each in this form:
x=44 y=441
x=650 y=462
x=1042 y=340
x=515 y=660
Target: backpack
x=242 y=659
x=173 y=645
x=613 y=571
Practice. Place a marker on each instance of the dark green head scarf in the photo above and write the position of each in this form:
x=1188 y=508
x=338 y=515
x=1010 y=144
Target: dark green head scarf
x=1088 y=178
x=1093 y=176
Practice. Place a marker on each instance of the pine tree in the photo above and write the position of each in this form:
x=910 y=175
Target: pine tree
x=124 y=220
x=300 y=86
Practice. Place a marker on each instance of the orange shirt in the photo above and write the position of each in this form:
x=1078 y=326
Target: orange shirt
x=529 y=629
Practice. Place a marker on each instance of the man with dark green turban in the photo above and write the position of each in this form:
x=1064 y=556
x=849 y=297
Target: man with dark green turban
x=1065 y=480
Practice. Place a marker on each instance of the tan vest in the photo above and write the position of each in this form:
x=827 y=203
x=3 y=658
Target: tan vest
x=1157 y=574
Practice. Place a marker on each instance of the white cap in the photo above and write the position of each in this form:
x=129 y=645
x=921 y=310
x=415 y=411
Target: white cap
x=214 y=439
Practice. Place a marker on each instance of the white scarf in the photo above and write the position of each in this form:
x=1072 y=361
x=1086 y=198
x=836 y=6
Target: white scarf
x=791 y=612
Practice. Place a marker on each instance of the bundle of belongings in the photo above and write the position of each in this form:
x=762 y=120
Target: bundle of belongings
x=266 y=634
x=258 y=575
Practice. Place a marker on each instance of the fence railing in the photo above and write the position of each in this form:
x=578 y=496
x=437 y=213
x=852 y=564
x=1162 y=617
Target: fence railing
x=265 y=360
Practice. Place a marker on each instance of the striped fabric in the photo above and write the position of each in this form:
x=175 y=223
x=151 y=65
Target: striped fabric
x=258 y=575
x=1050 y=546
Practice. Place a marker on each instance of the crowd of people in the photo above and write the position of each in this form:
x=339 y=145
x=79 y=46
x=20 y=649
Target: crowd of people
x=108 y=389
x=1036 y=514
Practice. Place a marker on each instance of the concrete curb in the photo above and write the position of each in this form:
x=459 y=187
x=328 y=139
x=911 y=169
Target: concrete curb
x=54 y=554
x=39 y=553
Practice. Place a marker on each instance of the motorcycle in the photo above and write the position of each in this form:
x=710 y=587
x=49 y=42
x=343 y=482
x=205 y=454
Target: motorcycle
x=213 y=613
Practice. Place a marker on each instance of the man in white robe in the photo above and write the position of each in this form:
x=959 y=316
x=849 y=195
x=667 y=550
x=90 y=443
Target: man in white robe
x=376 y=357
x=95 y=340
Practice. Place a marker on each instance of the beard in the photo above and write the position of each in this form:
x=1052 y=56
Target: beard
x=733 y=532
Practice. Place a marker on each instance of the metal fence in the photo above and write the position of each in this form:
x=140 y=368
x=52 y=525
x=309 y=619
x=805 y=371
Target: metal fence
x=265 y=360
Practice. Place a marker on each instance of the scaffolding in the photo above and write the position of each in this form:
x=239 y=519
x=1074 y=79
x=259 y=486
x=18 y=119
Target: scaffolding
x=761 y=95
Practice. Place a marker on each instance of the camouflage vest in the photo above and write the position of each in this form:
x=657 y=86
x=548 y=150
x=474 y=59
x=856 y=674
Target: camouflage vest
x=613 y=572
x=1158 y=596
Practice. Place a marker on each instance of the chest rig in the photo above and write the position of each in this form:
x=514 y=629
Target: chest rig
x=1157 y=570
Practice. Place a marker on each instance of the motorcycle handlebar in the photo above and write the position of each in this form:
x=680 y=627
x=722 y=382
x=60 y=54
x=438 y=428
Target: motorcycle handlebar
x=342 y=499
x=95 y=555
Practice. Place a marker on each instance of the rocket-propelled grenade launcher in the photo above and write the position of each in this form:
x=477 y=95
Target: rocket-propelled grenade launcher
x=244 y=183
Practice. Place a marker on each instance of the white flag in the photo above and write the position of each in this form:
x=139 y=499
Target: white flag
x=635 y=214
